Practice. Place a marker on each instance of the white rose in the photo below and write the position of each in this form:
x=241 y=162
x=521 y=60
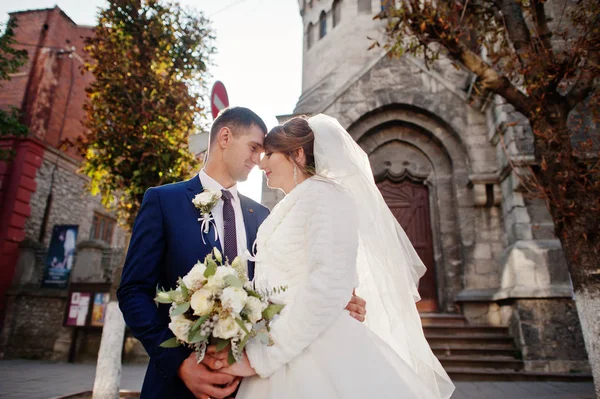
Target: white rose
x=195 y=278
x=234 y=298
x=254 y=308
x=226 y=328
x=205 y=198
x=217 y=280
x=201 y=302
x=180 y=327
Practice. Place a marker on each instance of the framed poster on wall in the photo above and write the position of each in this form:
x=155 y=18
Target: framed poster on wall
x=61 y=256
x=79 y=307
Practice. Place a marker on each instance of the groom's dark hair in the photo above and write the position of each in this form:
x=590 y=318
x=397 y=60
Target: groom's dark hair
x=235 y=118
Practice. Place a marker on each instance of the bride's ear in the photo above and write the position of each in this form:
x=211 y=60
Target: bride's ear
x=300 y=157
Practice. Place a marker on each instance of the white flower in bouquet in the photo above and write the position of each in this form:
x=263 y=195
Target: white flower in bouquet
x=180 y=326
x=217 y=281
x=234 y=299
x=254 y=308
x=195 y=278
x=226 y=328
x=177 y=295
x=202 y=302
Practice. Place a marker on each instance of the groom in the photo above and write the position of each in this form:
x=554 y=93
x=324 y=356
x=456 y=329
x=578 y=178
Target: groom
x=167 y=241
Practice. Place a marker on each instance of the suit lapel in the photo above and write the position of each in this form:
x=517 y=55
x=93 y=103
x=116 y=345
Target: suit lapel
x=251 y=225
x=194 y=187
x=249 y=221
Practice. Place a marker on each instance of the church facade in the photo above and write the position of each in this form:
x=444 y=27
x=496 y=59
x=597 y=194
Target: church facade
x=444 y=161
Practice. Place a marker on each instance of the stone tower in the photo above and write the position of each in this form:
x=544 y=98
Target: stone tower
x=337 y=35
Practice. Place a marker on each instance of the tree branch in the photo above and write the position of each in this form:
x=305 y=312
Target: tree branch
x=585 y=82
x=516 y=27
x=543 y=31
x=489 y=78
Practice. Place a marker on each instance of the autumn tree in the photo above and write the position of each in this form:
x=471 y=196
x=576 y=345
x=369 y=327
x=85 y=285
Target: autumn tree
x=149 y=60
x=542 y=58
x=11 y=60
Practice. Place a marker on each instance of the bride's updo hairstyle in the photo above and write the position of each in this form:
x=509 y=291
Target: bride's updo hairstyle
x=290 y=137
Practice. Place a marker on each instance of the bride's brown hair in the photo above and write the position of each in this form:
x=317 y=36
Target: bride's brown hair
x=289 y=138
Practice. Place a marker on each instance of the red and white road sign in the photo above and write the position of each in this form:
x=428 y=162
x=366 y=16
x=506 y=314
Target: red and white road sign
x=218 y=98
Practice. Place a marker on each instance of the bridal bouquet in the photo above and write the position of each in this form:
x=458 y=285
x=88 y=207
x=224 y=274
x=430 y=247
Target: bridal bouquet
x=216 y=304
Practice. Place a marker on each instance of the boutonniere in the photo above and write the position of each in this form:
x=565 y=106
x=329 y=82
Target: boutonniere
x=205 y=202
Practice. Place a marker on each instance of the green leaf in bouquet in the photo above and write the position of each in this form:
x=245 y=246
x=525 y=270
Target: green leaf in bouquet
x=233 y=281
x=184 y=290
x=242 y=325
x=180 y=309
x=243 y=342
x=198 y=323
x=230 y=357
x=222 y=344
x=163 y=297
x=263 y=338
x=211 y=267
x=272 y=310
x=253 y=293
x=170 y=343
x=196 y=336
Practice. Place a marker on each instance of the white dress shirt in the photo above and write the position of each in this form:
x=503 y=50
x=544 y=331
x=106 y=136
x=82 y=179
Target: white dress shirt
x=217 y=212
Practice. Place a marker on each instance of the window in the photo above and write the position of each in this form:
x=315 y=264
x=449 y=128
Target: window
x=102 y=228
x=337 y=12
x=322 y=25
x=309 y=36
x=364 y=6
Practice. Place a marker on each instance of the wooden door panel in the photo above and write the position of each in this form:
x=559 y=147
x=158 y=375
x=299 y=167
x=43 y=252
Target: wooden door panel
x=409 y=203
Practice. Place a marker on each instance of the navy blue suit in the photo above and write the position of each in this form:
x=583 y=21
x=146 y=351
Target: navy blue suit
x=165 y=243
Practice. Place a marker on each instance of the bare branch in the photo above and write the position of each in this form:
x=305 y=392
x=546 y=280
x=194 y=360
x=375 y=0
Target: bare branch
x=543 y=31
x=489 y=78
x=516 y=27
x=585 y=82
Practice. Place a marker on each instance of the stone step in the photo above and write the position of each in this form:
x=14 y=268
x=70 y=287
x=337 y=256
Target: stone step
x=437 y=329
x=442 y=319
x=471 y=340
x=469 y=374
x=477 y=362
x=466 y=350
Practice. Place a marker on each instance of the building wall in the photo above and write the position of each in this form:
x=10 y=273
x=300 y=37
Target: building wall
x=50 y=88
x=497 y=260
x=50 y=91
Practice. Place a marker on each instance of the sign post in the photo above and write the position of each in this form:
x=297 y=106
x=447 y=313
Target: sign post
x=218 y=99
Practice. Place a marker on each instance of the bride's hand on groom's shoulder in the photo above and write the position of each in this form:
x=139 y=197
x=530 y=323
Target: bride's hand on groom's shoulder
x=357 y=307
x=242 y=368
x=206 y=383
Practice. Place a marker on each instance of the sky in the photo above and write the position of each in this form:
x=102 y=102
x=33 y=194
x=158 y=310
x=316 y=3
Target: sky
x=259 y=52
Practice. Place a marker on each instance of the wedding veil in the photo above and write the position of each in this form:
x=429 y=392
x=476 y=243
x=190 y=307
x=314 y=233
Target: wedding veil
x=388 y=265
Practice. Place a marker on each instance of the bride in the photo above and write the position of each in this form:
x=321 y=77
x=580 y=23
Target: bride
x=333 y=233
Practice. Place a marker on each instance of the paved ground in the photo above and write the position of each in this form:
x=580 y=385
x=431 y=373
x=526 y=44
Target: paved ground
x=23 y=379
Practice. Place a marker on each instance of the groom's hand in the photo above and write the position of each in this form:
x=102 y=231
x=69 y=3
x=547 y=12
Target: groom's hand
x=215 y=360
x=203 y=382
x=357 y=307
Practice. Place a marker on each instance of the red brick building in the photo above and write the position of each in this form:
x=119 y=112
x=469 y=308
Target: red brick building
x=40 y=187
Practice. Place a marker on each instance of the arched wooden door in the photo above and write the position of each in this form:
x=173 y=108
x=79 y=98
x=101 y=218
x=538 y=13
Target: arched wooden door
x=409 y=202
